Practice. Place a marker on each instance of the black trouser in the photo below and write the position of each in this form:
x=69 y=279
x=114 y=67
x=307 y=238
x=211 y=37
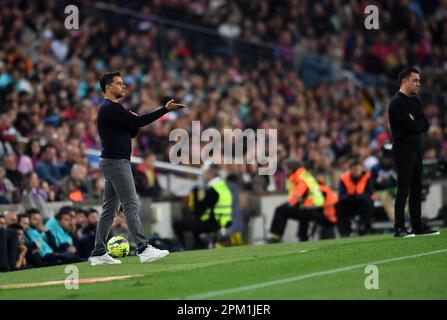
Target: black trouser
x=408 y=163
x=304 y=216
x=9 y=249
x=350 y=207
x=195 y=226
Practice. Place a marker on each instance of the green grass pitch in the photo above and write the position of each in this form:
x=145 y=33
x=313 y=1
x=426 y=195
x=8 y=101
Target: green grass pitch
x=412 y=268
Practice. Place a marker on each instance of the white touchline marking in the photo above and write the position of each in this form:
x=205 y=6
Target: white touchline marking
x=61 y=282
x=210 y=294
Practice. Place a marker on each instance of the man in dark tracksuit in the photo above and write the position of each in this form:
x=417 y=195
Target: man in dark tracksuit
x=407 y=123
x=116 y=127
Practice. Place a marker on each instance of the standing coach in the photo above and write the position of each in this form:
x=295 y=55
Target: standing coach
x=407 y=123
x=116 y=127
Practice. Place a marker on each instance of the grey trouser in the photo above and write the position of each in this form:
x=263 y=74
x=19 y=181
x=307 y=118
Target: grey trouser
x=119 y=188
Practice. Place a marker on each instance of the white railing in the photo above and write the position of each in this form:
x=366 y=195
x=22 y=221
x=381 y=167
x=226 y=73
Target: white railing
x=158 y=164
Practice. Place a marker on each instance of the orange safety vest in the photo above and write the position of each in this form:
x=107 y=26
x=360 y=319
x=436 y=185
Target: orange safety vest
x=76 y=196
x=304 y=184
x=353 y=188
x=330 y=199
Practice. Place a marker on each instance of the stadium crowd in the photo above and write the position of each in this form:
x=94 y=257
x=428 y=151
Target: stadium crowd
x=49 y=90
x=31 y=240
x=410 y=32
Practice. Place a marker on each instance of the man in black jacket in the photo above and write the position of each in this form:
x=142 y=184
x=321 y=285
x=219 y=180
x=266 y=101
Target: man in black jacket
x=116 y=127
x=407 y=123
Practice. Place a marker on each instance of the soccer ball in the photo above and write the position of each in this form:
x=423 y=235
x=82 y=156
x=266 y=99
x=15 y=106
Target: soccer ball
x=118 y=247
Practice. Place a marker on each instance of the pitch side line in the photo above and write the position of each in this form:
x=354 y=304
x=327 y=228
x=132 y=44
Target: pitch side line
x=216 y=293
x=62 y=282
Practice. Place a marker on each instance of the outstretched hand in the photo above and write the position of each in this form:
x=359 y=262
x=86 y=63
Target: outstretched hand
x=171 y=105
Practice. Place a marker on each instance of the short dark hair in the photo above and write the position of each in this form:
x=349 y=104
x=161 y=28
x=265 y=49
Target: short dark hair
x=46 y=147
x=406 y=72
x=65 y=210
x=22 y=216
x=107 y=78
x=80 y=211
x=32 y=211
x=355 y=161
x=92 y=211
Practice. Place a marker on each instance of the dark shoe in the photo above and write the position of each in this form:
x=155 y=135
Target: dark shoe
x=426 y=231
x=403 y=233
x=274 y=239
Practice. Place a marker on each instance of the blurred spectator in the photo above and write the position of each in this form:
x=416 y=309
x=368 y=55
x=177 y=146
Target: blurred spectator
x=9 y=246
x=24 y=162
x=145 y=176
x=21 y=262
x=86 y=241
x=74 y=187
x=96 y=188
x=305 y=202
x=10 y=217
x=10 y=165
x=46 y=169
x=60 y=227
x=33 y=196
x=355 y=195
x=49 y=191
x=211 y=211
x=119 y=226
x=6 y=188
x=37 y=235
x=32 y=253
x=385 y=181
x=33 y=152
x=80 y=221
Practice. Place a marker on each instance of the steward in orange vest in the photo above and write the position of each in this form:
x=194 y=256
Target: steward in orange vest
x=305 y=203
x=330 y=200
x=355 y=198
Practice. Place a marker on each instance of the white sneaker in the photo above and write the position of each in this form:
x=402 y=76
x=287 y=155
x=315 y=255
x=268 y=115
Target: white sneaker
x=151 y=254
x=104 y=259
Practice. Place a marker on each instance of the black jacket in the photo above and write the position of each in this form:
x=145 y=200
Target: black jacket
x=407 y=121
